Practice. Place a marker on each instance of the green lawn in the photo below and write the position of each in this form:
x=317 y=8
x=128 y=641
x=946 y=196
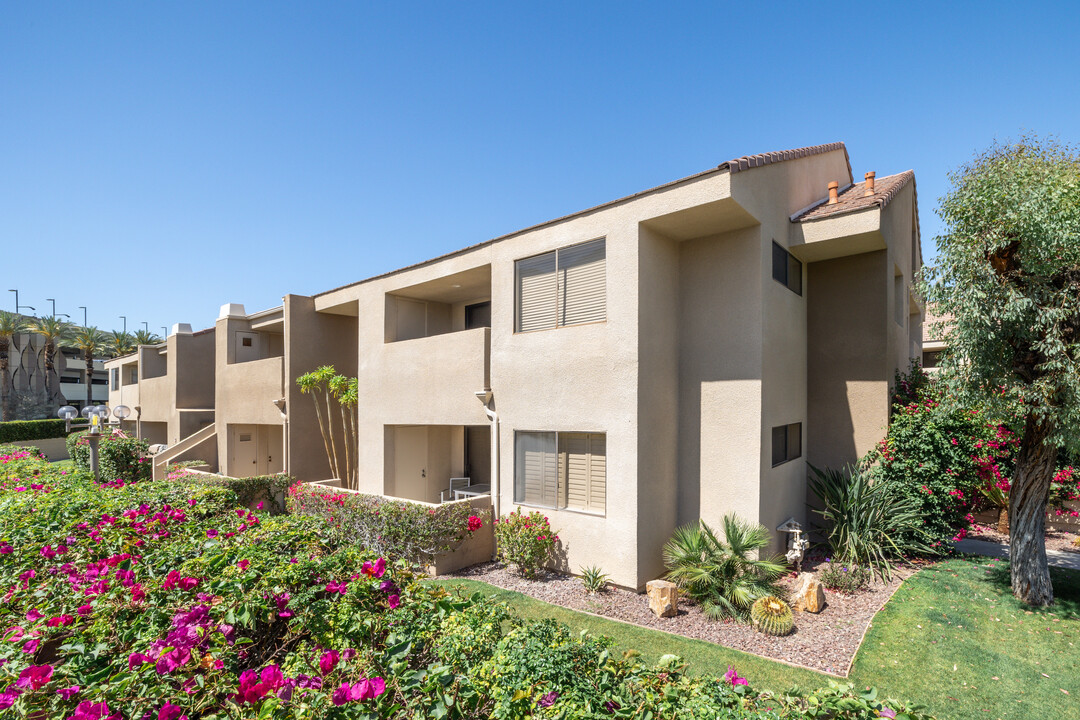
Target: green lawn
x=941 y=641
x=63 y=464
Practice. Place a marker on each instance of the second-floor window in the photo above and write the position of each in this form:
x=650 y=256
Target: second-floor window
x=567 y=286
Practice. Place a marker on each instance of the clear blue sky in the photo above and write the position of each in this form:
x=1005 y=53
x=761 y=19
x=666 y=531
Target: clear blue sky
x=160 y=159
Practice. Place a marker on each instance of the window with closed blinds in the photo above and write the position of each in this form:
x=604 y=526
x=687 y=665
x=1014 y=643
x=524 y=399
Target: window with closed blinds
x=561 y=470
x=565 y=287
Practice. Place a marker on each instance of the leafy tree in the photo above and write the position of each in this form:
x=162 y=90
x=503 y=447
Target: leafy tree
x=11 y=324
x=54 y=331
x=327 y=387
x=145 y=337
x=93 y=343
x=123 y=342
x=1008 y=271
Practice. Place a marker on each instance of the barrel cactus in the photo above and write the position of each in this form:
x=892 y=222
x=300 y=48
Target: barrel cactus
x=772 y=616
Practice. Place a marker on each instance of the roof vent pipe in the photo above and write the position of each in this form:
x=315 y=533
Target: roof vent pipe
x=833 y=186
x=869 y=184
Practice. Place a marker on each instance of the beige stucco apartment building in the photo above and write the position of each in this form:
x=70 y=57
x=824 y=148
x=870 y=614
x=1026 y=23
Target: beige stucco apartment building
x=671 y=356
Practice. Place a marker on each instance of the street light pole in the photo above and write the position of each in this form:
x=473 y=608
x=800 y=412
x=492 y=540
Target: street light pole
x=53 y=301
x=146 y=326
x=124 y=318
x=83 y=308
x=16 y=300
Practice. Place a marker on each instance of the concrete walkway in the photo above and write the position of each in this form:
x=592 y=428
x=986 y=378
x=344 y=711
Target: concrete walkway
x=1056 y=558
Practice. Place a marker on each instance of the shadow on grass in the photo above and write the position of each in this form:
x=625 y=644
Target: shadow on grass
x=1066 y=587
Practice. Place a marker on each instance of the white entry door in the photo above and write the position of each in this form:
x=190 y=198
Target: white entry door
x=244 y=451
x=410 y=462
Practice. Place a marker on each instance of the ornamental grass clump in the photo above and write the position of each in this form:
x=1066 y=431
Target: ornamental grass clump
x=772 y=616
x=525 y=542
x=725 y=576
x=844 y=577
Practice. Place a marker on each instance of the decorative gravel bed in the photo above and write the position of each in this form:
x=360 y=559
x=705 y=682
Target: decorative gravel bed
x=826 y=641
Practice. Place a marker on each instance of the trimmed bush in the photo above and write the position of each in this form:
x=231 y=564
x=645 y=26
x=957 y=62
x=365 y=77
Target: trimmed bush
x=525 y=541
x=417 y=533
x=250 y=491
x=120 y=458
x=22 y=430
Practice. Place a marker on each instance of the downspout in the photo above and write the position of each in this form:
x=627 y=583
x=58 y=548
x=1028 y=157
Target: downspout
x=486 y=397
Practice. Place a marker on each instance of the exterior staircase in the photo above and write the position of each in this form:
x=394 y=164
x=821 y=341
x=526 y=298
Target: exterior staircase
x=161 y=460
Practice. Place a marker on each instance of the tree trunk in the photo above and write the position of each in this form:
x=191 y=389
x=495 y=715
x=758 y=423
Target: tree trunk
x=88 y=356
x=51 y=389
x=1003 y=520
x=1027 y=515
x=5 y=382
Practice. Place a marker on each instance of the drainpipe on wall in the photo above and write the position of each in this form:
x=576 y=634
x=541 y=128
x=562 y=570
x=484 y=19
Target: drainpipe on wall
x=486 y=397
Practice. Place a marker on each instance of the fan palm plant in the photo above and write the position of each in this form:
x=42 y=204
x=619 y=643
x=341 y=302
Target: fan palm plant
x=92 y=342
x=54 y=331
x=145 y=337
x=123 y=342
x=11 y=324
x=725 y=576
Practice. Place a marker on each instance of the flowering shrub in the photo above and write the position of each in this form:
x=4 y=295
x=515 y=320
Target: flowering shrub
x=21 y=463
x=526 y=541
x=415 y=532
x=844 y=578
x=166 y=600
x=262 y=492
x=119 y=458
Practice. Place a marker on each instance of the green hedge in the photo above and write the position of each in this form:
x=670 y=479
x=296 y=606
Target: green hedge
x=250 y=491
x=120 y=458
x=20 y=430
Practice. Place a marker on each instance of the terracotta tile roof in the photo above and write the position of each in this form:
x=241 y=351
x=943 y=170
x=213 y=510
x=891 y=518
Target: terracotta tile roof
x=853 y=200
x=747 y=162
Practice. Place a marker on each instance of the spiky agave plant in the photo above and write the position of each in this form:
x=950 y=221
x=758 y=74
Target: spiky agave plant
x=772 y=616
x=725 y=576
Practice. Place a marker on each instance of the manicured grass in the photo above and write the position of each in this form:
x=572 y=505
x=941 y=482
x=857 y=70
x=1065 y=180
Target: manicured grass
x=63 y=464
x=955 y=640
x=652 y=644
x=941 y=641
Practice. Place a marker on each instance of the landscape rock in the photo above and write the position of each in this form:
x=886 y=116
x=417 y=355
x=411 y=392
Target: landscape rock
x=809 y=595
x=663 y=598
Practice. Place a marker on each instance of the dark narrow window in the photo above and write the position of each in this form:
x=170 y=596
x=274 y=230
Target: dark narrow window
x=786 y=443
x=786 y=269
x=478 y=315
x=116 y=378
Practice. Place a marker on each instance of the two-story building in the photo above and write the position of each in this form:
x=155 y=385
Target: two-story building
x=663 y=358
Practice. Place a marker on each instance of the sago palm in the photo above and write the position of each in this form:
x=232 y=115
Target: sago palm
x=92 y=342
x=54 y=331
x=11 y=324
x=725 y=576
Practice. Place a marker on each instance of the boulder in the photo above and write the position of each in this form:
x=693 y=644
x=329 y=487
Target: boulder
x=663 y=598
x=809 y=595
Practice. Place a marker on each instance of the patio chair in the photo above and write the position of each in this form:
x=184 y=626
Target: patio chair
x=455 y=484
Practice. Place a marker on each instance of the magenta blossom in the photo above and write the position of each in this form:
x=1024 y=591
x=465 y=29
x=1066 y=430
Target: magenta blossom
x=243 y=565
x=34 y=614
x=211 y=533
x=137 y=659
x=375 y=570
x=393 y=601
x=31 y=646
x=733 y=677
x=9 y=696
x=35 y=677
x=548 y=700
x=283 y=605
x=328 y=661
x=68 y=693
x=92 y=711
x=366 y=689
x=169 y=711
x=60 y=621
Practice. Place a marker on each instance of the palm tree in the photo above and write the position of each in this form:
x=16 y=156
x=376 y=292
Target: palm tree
x=54 y=330
x=145 y=337
x=11 y=324
x=92 y=342
x=123 y=342
x=725 y=576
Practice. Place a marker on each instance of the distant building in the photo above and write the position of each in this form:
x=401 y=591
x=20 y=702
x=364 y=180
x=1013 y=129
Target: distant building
x=26 y=370
x=933 y=343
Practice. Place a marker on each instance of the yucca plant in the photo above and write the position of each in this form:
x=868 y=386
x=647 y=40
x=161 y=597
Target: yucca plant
x=594 y=579
x=724 y=576
x=772 y=616
x=866 y=522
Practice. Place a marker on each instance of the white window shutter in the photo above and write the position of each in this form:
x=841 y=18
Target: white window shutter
x=583 y=283
x=537 y=293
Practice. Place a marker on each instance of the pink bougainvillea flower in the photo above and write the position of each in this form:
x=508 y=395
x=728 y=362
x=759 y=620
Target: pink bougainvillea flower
x=328 y=661
x=188 y=583
x=5 y=548
x=35 y=677
x=243 y=565
x=733 y=677
x=171 y=579
x=282 y=602
x=341 y=694
x=31 y=646
x=33 y=615
x=69 y=692
x=172 y=659
x=211 y=533
x=548 y=700
x=393 y=601
x=254 y=686
x=475 y=523
x=169 y=711
x=87 y=710
x=337 y=587
x=85 y=609
x=368 y=689
x=886 y=713
x=375 y=570
x=259 y=506
x=137 y=593
x=60 y=621
x=9 y=696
